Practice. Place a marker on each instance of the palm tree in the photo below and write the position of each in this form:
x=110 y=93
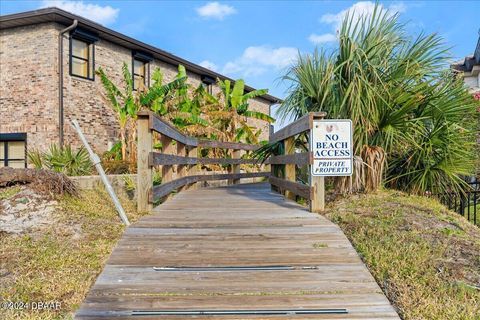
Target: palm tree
x=409 y=115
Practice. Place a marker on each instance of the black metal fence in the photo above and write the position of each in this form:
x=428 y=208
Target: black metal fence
x=467 y=205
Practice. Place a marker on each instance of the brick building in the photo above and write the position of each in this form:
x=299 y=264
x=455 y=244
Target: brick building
x=48 y=59
x=469 y=68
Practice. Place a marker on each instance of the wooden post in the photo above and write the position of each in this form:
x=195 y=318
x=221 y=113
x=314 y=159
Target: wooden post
x=192 y=169
x=290 y=174
x=144 y=171
x=236 y=154
x=317 y=203
x=167 y=148
x=181 y=169
x=272 y=166
x=272 y=174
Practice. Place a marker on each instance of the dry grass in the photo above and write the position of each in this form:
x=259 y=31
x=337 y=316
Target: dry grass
x=61 y=262
x=425 y=258
x=47 y=182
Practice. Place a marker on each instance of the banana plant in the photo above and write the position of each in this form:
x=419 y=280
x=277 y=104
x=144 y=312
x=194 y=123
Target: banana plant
x=158 y=96
x=175 y=102
x=123 y=103
x=128 y=102
x=232 y=117
x=190 y=107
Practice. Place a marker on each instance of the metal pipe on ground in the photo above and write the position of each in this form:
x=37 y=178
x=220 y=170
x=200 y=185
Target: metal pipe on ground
x=96 y=161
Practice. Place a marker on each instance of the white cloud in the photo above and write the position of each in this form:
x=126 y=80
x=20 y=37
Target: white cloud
x=209 y=65
x=215 y=10
x=398 y=7
x=322 y=38
x=278 y=57
x=101 y=14
x=256 y=60
x=357 y=10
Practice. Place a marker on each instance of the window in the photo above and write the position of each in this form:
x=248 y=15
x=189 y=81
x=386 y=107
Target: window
x=13 y=150
x=208 y=87
x=141 y=69
x=81 y=59
x=207 y=83
x=139 y=74
x=82 y=54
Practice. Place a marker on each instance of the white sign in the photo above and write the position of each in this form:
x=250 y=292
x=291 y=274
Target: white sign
x=331 y=144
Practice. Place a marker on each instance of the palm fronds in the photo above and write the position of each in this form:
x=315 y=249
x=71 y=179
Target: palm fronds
x=408 y=114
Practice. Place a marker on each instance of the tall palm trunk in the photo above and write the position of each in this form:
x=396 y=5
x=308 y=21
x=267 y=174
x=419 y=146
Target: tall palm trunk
x=374 y=159
x=354 y=183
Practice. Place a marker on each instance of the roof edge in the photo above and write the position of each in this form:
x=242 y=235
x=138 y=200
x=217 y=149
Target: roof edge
x=54 y=14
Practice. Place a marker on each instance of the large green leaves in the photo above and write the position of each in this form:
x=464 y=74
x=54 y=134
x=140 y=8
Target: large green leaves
x=394 y=89
x=195 y=111
x=258 y=115
x=232 y=117
x=111 y=91
x=158 y=94
x=122 y=102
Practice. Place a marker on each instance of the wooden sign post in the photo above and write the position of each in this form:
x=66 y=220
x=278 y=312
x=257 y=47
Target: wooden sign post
x=332 y=150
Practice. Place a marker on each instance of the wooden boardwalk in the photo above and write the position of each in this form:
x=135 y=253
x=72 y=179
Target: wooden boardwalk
x=179 y=260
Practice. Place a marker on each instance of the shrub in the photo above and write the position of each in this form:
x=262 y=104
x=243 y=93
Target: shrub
x=66 y=160
x=36 y=158
x=129 y=183
x=112 y=161
x=117 y=166
x=157 y=178
x=115 y=153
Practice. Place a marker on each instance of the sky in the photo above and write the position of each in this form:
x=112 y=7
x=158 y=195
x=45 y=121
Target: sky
x=258 y=40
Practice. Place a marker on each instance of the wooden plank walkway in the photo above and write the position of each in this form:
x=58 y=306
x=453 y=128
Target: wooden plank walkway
x=237 y=226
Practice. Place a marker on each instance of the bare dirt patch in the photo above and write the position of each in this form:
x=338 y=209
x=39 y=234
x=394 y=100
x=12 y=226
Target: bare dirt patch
x=25 y=211
x=55 y=251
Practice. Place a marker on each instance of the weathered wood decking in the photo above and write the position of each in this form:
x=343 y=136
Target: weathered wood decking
x=241 y=225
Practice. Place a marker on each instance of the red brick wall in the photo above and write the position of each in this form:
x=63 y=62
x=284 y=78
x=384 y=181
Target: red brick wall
x=29 y=88
x=28 y=83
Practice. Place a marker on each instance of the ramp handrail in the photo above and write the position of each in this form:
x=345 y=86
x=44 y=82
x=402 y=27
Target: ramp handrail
x=287 y=184
x=180 y=152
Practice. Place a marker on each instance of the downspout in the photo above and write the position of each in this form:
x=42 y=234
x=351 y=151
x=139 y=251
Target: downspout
x=60 y=80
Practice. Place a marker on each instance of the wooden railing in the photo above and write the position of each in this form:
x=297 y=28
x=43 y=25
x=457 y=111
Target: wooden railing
x=180 y=162
x=287 y=184
x=180 y=159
